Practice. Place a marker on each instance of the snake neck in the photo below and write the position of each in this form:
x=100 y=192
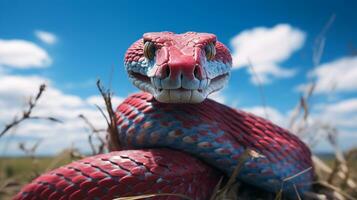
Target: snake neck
x=218 y=135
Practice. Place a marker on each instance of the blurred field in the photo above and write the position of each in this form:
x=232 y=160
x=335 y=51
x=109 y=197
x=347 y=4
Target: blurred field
x=23 y=168
x=18 y=171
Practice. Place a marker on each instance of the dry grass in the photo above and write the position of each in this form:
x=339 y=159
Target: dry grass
x=113 y=132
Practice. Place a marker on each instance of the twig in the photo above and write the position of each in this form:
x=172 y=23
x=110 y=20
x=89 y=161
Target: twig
x=319 y=164
x=114 y=143
x=297 y=174
x=94 y=131
x=91 y=126
x=349 y=157
x=279 y=194
x=319 y=44
x=340 y=165
x=327 y=185
x=30 y=151
x=297 y=192
x=27 y=113
x=260 y=87
x=242 y=159
x=92 y=146
x=302 y=104
x=318 y=49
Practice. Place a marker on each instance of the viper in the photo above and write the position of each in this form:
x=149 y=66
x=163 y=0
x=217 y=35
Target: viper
x=175 y=139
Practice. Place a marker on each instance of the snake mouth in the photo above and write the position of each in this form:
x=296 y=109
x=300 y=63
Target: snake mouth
x=139 y=76
x=180 y=94
x=220 y=77
x=184 y=95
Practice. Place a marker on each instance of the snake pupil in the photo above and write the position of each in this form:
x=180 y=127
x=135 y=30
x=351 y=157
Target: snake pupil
x=149 y=50
x=210 y=50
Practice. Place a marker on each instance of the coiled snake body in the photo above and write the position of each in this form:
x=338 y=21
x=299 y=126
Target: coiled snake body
x=176 y=73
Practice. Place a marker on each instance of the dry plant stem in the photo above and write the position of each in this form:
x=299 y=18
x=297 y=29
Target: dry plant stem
x=318 y=163
x=114 y=143
x=5 y=184
x=297 y=192
x=90 y=141
x=216 y=189
x=327 y=185
x=340 y=164
x=279 y=195
x=91 y=126
x=298 y=174
x=318 y=49
x=153 y=195
x=223 y=193
x=335 y=170
x=30 y=151
x=302 y=104
x=349 y=157
x=319 y=45
x=27 y=113
x=94 y=131
x=261 y=89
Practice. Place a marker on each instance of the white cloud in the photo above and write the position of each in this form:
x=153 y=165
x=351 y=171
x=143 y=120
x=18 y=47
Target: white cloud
x=14 y=93
x=98 y=100
x=337 y=76
x=218 y=96
x=345 y=106
x=265 y=48
x=266 y=72
x=342 y=114
x=269 y=113
x=46 y=37
x=346 y=140
x=22 y=54
x=266 y=45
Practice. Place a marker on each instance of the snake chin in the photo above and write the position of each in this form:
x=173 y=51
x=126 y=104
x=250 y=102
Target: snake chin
x=179 y=95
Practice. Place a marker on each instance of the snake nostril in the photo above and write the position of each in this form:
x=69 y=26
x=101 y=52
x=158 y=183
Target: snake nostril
x=196 y=71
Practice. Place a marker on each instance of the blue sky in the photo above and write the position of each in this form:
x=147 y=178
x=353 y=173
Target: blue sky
x=89 y=38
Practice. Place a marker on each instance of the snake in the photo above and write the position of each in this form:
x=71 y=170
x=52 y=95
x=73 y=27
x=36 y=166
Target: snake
x=175 y=139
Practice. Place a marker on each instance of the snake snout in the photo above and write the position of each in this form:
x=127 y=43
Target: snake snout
x=180 y=81
x=172 y=76
x=193 y=71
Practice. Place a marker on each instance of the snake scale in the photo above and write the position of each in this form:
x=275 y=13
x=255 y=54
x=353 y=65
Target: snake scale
x=175 y=139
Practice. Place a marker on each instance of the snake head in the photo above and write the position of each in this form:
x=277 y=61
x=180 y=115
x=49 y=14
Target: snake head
x=178 y=68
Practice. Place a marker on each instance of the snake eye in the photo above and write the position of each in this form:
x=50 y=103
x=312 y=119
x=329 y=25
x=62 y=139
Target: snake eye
x=210 y=50
x=149 y=50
